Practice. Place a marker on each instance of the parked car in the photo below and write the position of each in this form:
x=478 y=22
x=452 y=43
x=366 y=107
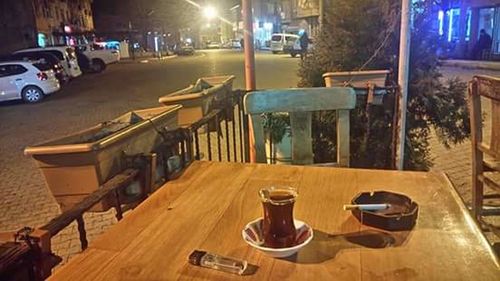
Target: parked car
x=183 y=49
x=25 y=80
x=66 y=56
x=233 y=44
x=296 y=49
x=282 y=42
x=213 y=45
x=98 y=56
x=44 y=61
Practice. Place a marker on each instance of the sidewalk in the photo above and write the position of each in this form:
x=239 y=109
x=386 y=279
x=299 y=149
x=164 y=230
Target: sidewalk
x=472 y=64
x=145 y=59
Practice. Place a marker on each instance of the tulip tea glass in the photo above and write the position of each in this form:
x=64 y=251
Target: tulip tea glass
x=278 y=228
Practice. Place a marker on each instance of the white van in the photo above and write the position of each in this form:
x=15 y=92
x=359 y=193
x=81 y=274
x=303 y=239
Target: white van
x=282 y=42
x=65 y=54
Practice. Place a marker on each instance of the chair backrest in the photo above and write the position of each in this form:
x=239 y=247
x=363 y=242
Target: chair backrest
x=488 y=88
x=300 y=103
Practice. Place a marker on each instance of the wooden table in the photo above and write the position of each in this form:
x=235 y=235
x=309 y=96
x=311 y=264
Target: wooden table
x=209 y=205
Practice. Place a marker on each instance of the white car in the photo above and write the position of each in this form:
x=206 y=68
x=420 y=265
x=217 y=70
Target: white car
x=23 y=80
x=213 y=45
x=98 y=56
x=282 y=42
x=65 y=54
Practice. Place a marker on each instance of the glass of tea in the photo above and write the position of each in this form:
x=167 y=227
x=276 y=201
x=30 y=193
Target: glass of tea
x=278 y=228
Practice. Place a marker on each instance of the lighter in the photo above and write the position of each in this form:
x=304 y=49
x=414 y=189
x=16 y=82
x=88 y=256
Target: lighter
x=209 y=260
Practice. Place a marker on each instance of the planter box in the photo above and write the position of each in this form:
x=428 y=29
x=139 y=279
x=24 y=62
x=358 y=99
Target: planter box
x=360 y=79
x=199 y=99
x=76 y=165
x=356 y=79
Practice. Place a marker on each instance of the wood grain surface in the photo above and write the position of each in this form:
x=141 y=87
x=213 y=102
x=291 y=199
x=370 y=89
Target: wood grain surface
x=209 y=205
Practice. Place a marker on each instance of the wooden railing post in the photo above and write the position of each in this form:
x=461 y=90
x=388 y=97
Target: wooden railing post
x=82 y=232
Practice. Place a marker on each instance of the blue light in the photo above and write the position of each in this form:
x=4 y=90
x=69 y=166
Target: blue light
x=441 y=22
x=41 y=40
x=450 y=24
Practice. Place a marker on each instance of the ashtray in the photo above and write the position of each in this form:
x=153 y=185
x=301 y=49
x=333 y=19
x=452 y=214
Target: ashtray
x=252 y=234
x=401 y=215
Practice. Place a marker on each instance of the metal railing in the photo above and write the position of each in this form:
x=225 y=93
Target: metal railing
x=220 y=135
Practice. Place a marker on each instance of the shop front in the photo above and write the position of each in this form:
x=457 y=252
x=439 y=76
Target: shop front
x=470 y=29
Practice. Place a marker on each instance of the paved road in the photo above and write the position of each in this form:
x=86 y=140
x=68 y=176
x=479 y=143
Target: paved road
x=24 y=199
x=88 y=100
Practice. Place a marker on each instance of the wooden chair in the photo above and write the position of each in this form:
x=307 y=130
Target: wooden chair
x=485 y=156
x=300 y=103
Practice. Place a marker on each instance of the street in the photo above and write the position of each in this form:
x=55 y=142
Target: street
x=94 y=98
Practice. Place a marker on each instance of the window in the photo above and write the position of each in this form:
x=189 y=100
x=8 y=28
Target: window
x=58 y=54
x=11 y=69
x=486 y=20
x=276 y=38
x=453 y=16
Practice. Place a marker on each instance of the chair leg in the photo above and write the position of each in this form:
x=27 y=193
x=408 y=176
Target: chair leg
x=477 y=186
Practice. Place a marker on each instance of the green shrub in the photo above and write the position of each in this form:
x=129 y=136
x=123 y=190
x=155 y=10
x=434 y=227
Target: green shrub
x=364 y=33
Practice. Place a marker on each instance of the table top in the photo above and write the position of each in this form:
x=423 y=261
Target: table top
x=208 y=206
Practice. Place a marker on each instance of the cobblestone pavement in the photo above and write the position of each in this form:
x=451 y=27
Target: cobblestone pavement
x=91 y=99
x=26 y=201
x=456 y=161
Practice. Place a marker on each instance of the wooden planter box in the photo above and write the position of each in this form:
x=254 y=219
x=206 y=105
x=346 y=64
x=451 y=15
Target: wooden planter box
x=360 y=79
x=199 y=99
x=76 y=165
x=356 y=79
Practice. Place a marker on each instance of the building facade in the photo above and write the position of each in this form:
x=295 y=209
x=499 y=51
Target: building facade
x=460 y=23
x=17 y=25
x=32 y=23
x=300 y=15
x=267 y=21
x=65 y=22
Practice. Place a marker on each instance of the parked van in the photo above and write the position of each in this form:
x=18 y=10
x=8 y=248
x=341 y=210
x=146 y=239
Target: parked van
x=65 y=54
x=282 y=42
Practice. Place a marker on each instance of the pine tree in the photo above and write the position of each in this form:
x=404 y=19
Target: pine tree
x=361 y=35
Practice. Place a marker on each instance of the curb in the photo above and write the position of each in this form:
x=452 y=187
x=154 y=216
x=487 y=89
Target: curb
x=142 y=59
x=467 y=64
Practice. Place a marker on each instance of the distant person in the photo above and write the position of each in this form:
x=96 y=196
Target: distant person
x=304 y=44
x=242 y=43
x=484 y=43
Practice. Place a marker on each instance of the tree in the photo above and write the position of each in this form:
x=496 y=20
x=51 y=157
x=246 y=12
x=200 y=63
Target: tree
x=363 y=34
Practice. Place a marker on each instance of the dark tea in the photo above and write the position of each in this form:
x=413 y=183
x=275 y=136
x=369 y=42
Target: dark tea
x=277 y=227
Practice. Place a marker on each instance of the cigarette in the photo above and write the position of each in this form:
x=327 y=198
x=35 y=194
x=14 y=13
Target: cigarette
x=367 y=207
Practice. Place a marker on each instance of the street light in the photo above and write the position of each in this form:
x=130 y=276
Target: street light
x=209 y=12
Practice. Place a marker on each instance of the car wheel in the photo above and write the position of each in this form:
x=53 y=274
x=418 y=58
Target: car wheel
x=293 y=55
x=98 y=65
x=32 y=94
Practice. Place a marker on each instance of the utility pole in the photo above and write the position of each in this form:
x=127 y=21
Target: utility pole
x=249 y=65
x=403 y=74
x=321 y=18
x=248 y=45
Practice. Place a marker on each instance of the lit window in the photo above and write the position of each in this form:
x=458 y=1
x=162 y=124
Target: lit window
x=441 y=22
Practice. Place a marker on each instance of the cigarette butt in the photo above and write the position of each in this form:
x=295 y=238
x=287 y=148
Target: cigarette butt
x=366 y=207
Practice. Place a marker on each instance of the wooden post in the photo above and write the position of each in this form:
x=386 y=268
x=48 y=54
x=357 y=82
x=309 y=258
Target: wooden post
x=248 y=45
x=250 y=82
x=403 y=73
x=321 y=18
